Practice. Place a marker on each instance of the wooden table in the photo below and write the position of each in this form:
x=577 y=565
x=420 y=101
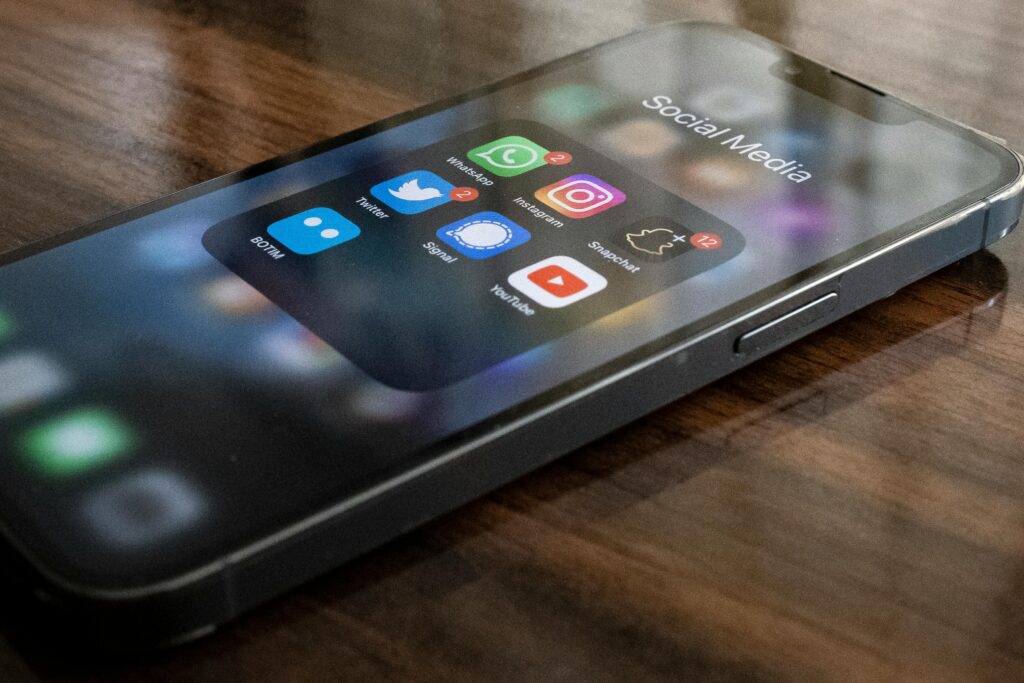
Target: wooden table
x=850 y=508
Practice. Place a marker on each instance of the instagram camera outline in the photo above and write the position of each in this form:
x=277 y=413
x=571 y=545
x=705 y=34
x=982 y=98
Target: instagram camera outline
x=613 y=195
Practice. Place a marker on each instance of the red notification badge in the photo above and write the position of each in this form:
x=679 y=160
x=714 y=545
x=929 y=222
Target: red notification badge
x=706 y=240
x=464 y=194
x=558 y=158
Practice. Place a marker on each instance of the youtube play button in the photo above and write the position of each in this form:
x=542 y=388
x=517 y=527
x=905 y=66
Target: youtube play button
x=557 y=281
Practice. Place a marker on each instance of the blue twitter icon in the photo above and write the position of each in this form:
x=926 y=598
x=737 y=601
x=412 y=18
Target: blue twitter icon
x=414 y=192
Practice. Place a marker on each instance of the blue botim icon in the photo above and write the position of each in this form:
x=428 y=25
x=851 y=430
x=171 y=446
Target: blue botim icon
x=483 y=235
x=313 y=231
x=414 y=192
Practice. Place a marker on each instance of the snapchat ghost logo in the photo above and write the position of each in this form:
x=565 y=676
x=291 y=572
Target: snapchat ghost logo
x=654 y=242
x=656 y=239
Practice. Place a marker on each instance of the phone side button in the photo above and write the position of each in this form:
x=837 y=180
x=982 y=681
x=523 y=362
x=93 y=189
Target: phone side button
x=785 y=325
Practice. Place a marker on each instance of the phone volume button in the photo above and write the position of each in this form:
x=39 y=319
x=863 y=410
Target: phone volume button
x=787 y=324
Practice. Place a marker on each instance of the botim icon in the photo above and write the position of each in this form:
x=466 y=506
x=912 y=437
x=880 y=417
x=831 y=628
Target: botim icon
x=313 y=231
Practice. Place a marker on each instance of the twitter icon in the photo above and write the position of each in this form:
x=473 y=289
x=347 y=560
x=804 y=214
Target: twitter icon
x=414 y=192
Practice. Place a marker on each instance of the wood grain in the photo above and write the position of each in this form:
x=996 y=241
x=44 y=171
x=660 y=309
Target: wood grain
x=849 y=509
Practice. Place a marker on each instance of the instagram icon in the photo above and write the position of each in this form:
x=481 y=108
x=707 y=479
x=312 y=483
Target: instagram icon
x=580 y=196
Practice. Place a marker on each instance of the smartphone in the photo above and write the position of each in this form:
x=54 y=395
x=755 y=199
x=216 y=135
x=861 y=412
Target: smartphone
x=211 y=398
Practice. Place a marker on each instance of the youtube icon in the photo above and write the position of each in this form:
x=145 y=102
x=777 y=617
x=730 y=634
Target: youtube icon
x=557 y=281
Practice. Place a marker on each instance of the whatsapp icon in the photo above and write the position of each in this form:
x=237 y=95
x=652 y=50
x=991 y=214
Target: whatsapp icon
x=509 y=156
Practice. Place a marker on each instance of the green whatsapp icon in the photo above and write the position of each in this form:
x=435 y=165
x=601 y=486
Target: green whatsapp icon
x=509 y=156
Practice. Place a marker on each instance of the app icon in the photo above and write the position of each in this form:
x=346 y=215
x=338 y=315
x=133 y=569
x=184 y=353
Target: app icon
x=655 y=239
x=483 y=235
x=731 y=104
x=313 y=231
x=6 y=324
x=580 y=196
x=145 y=508
x=77 y=441
x=641 y=138
x=295 y=350
x=27 y=378
x=380 y=403
x=571 y=103
x=715 y=176
x=414 y=192
x=233 y=296
x=509 y=156
x=175 y=247
x=797 y=217
x=557 y=281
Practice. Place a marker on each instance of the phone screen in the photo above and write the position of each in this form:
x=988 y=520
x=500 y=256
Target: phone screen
x=198 y=374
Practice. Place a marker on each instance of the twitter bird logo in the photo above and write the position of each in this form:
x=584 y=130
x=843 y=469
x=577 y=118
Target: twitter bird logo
x=414 y=192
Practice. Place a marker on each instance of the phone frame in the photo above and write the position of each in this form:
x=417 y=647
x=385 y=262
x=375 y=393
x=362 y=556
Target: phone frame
x=529 y=435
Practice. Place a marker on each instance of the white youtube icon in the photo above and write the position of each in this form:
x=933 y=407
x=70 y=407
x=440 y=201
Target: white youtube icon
x=557 y=281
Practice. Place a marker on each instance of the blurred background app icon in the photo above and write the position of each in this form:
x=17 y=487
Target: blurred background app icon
x=28 y=378
x=143 y=508
x=233 y=296
x=571 y=103
x=77 y=441
x=174 y=248
x=731 y=104
x=295 y=350
x=6 y=324
x=715 y=177
x=641 y=138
